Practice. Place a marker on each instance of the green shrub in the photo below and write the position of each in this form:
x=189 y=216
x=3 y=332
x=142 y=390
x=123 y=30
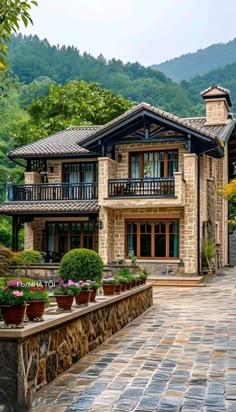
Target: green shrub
x=81 y=264
x=28 y=257
x=6 y=257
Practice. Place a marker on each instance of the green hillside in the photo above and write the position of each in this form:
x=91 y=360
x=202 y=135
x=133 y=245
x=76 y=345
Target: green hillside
x=30 y=57
x=204 y=60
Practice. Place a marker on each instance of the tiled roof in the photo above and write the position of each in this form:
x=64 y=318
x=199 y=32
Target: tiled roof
x=145 y=106
x=215 y=86
x=48 y=207
x=221 y=131
x=64 y=142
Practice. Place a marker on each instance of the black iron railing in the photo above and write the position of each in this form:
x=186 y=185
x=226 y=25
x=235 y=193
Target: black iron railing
x=157 y=186
x=57 y=191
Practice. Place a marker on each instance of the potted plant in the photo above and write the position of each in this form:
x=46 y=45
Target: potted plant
x=209 y=253
x=13 y=305
x=108 y=285
x=94 y=287
x=36 y=298
x=136 y=277
x=85 y=292
x=65 y=293
x=123 y=282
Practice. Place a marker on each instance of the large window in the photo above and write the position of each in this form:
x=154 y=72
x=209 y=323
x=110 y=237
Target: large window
x=152 y=238
x=153 y=164
x=64 y=236
x=80 y=172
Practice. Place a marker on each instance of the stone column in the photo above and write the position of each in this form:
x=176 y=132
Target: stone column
x=190 y=214
x=32 y=178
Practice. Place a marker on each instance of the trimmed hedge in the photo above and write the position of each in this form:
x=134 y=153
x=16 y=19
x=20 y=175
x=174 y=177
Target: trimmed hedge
x=28 y=257
x=81 y=264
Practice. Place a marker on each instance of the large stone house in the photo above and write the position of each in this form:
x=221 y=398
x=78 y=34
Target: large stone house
x=144 y=184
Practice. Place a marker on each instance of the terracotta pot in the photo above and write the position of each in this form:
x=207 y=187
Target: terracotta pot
x=117 y=288
x=123 y=286
x=109 y=289
x=83 y=298
x=64 y=301
x=35 y=309
x=13 y=315
x=128 y=285
x=133 y=284
x=93 y=295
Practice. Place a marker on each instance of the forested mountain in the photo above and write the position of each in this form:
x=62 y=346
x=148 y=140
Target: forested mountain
x=29 y=57
x=195 y=64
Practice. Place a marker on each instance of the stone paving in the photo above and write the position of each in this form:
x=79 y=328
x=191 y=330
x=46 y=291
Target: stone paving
x=180 y=356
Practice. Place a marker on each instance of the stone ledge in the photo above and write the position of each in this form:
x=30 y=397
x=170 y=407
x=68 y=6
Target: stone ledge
x=53 y=320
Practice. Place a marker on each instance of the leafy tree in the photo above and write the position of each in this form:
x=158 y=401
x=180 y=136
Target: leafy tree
x=76 y=103
x=12 y=12
x=229 y=192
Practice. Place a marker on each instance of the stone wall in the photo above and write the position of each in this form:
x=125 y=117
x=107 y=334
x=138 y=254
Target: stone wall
x=29 y=363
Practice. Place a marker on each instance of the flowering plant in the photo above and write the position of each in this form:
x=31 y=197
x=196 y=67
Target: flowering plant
x=69 y=288
x=15 y=284
x=39 y=294
x=109 y=281
x=85 y=285
x=12 y=297
x=136 y=276
x=95 y=285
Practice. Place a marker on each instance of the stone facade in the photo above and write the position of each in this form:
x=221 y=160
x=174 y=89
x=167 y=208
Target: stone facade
x=27 y=364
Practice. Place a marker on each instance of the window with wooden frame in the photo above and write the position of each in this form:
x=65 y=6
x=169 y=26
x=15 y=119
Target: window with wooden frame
x=153 y=164
x=64 y=236
x=156 y=239
x=80 y=172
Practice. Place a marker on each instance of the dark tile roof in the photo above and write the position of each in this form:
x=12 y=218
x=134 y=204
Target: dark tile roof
x=165 y=115
x=60 y=143
x=48 y=207
x=221 y=131
x=67 y=141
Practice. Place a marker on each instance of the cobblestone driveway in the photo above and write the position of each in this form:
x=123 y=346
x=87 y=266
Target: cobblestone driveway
x=179 y=356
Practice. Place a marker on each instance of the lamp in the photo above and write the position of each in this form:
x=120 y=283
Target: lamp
x=51 y=169
x=100 y=224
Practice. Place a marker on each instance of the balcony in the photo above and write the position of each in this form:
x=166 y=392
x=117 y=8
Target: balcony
x=49 y=192
x=148 y=187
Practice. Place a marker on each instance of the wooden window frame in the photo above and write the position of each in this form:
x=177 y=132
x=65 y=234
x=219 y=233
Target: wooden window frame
x=79 y=164
x=141 y=154
x=57 y=223
x=153 y=221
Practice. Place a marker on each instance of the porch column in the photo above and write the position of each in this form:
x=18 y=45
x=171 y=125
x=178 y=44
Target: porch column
x=15 y=231
x=190 y=214
x=106 y=234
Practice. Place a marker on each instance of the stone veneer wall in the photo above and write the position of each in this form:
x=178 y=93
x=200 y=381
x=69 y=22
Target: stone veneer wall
x=30 y=363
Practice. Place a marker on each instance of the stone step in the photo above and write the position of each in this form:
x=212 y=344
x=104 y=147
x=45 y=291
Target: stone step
x=176 y=280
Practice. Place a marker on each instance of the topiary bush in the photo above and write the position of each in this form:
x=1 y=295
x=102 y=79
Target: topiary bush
x=28 y=257
x=81 y=264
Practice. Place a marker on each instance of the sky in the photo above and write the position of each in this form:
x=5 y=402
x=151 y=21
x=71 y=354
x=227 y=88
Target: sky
x=147 y=31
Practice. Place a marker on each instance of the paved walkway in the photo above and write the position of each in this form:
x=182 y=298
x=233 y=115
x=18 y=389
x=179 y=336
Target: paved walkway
x=178 y=356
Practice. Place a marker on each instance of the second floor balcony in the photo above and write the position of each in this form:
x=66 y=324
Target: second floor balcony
x=147 y=187
x=51 y=192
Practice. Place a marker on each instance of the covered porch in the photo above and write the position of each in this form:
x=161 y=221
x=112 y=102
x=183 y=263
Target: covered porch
x=54 y=228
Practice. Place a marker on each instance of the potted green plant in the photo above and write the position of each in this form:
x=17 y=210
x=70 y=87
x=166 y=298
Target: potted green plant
x=65 y=293
x=37 y=299
x=209 y=253
x=94 y=287
x=108 y=285
x=85 y=292
x=123 y=282
x=13 y=305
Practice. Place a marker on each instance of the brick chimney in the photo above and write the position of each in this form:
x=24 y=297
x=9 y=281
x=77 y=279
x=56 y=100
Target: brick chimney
x=218 y=103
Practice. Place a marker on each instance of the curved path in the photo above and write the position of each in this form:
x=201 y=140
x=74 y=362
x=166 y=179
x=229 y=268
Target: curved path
x=178 y=356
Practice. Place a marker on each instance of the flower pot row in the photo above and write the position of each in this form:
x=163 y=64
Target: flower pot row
x=112 y=288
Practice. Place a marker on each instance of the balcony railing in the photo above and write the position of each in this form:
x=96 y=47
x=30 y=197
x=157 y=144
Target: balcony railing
x=147 y=187
x=48 y=192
